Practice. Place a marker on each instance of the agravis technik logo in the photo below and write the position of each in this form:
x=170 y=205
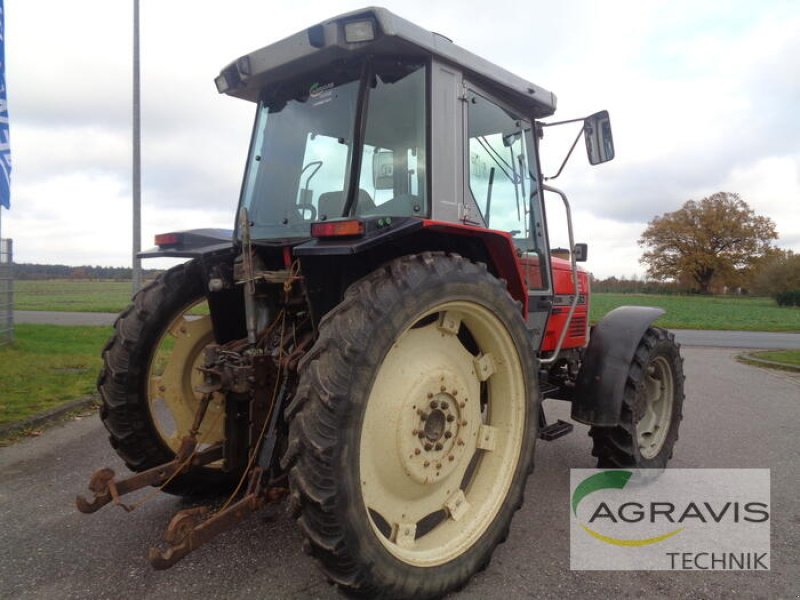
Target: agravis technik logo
x=705 y=519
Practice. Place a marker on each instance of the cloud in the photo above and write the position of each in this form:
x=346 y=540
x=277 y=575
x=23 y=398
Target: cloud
x=702 y=98
x=773 y=185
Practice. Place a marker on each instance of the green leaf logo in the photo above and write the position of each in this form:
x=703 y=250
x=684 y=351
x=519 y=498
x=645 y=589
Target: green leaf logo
x=599 y=481
x=604 y=481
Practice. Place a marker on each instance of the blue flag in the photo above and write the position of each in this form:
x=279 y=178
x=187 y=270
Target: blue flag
x=5 y=148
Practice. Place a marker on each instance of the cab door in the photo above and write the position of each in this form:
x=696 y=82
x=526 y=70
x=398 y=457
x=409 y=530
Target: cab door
x=502 y=191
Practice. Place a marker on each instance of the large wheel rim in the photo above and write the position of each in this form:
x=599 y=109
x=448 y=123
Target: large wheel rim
x=173 y=376
x=442 y=434
x=652 y=427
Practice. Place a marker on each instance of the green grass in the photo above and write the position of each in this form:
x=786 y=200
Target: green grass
x=47 y=366
x=786 y=357
x=683 y=312
x=78 y=295
x=707 y=312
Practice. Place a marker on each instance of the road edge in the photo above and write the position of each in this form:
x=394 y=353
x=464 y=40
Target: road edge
x=749 y=358
x=49 y=417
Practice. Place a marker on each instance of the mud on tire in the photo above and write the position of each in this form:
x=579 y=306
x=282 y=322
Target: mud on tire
x=652 y=408
x=125 y=381
x=382 y=430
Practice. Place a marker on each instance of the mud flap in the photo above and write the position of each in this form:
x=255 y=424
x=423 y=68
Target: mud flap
x=601 y=380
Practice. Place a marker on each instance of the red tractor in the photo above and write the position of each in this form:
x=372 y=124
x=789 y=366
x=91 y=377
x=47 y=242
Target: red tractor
x=375 y=338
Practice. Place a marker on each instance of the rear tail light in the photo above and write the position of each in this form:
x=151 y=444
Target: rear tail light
x=168 y=239
x=350 y=228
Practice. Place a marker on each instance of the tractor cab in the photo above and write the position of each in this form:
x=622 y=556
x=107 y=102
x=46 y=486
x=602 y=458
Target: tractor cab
x=372 y=118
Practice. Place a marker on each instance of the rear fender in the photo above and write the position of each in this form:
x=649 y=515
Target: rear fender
x=502 y=255
x=330 y=265
x=604 y=370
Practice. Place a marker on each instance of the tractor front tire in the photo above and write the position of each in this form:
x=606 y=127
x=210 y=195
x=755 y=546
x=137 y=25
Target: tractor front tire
x=148 y=376
x=412 y=431
x=652 y=408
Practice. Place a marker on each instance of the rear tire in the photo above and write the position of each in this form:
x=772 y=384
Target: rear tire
x=405 y=468
x=147 y=379
x=652 y=408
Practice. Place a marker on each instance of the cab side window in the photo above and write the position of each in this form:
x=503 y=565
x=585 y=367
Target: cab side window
x=503 y=183
x=499 y=176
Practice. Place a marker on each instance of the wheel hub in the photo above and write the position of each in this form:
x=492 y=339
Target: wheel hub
x=434 y=425
x=438 y=433
x=653 y=422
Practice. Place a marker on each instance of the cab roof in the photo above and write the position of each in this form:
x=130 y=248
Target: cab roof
x=325 y=43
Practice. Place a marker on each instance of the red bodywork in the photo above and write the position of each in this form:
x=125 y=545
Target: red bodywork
x=501 y=250
x=578 y=328
x=523 y=272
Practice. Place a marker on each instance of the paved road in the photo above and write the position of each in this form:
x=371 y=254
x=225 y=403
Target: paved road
x=738 y=339
x=735 y=416
x=686 y=337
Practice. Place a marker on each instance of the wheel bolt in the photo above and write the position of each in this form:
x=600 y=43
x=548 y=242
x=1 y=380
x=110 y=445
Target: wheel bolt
x=421 y=435
x=430 y=395
x=438 y=446
x=442 y=389
x=426 y=464
x=428 y=446
x=445 y=406
x=438 y=465
x=461 y=405
x=417 y=451
x=464 y=423
x=450 y=418
x=460 y=442
x=448 y=434
x=451 y=458
x=434 y=404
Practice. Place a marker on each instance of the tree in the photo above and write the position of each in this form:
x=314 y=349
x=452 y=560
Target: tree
x=714 y=240
x=779 y=276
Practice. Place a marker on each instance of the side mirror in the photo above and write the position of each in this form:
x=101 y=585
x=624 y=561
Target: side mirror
x=599 y=143
x=383 y=170
x=581 y=252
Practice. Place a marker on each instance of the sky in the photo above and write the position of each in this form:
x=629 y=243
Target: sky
x=703 y=97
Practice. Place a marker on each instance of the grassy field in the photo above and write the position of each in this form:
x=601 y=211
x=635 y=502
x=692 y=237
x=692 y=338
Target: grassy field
x=47 y=366
x=707 y=312
x=683 y=312
x=76 y=295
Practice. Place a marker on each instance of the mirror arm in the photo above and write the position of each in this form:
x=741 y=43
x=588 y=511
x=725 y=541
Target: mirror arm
x=561 y=122
x=572 y=148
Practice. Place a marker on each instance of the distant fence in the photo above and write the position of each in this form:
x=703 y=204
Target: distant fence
x=6 y=292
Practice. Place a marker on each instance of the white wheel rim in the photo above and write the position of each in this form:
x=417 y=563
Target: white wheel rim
x=173 y=375
x=652 y=427
x=425 y=424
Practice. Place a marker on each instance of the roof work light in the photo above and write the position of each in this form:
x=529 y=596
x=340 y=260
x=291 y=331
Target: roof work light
x=359 y=31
